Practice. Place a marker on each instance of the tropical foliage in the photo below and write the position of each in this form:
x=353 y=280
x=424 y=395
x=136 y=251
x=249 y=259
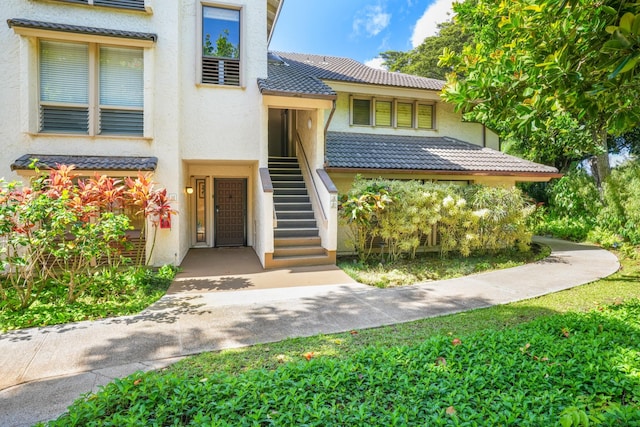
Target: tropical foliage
x=405 y=214
x=541 y=71
x=64 y=231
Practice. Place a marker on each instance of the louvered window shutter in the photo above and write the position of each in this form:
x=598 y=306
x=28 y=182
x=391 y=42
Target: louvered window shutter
x=405 y=115
x=121 y=91
x=64 y=87
x=383 y=113
x=425 y=116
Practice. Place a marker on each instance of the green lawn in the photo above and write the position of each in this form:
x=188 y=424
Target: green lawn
x=383 y=273
x=553 y=360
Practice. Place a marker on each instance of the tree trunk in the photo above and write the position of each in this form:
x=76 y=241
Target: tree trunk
x=600 y=167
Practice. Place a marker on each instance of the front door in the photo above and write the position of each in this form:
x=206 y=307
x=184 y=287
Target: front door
x=230 y=200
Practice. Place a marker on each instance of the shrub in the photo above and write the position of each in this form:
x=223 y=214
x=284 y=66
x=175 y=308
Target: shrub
x=63 y=230
x=621 y=211
x=403 y=214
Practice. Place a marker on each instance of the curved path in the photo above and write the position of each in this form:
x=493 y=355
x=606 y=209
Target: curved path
x=42 y=370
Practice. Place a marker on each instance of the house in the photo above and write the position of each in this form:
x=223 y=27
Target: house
x=252 y=146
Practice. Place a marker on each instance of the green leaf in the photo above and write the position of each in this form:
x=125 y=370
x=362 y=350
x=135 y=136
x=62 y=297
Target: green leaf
x=626 y=22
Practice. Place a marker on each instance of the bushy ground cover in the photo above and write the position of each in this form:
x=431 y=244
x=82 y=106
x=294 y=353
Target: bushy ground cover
x=383 y=272
x=569 y=358
x=113 y=293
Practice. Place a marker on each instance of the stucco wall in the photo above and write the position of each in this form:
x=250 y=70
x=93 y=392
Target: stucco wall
x=447 y=121
x=183 y=119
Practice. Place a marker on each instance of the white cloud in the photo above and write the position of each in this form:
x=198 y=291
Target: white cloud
x=437 y=12
x=375 y=63
x=371 y=19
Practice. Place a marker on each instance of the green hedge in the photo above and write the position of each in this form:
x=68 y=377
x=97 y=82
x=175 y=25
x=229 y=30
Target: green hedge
x=403 y=214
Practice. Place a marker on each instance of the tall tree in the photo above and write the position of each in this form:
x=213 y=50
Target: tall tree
x=423 y=60
x=540 y=68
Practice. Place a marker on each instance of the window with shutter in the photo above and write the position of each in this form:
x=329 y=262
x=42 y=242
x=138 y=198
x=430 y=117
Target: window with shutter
x=68 y=80
x=121 y=91
x=362 y=112
x=383 y=113
x=405 y=115
x=425 y=116
x=120 y=4
x=64 y=87
x=220 y=46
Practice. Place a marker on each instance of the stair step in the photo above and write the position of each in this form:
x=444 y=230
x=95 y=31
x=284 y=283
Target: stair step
x=284 y=171
x=302 y=260
x=296 y=223
x=290 y=206
x=279 y=242
x=296 y=215
x=286 y=177
x=290 y=198
x=295 y=232
x=283 y=159
x=289 y=251
x=288 y=184
x=285 y=191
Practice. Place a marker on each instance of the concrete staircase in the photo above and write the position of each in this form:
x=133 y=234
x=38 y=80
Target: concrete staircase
x=296 y=239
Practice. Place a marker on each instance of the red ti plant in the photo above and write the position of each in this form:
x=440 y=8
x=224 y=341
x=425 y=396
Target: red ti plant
x=153 y=204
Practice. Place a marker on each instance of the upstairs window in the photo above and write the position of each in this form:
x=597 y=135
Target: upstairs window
x=220 y=46
x=121 y=4
x=392 y=113
x=91 y=89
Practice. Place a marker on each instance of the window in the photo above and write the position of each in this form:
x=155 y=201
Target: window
x=392 y=113
x=383 y=113
x=425 y=116
x=91 y=89
x=220 y=46
x=362 y=112
x=121 y=4
x=405 y=115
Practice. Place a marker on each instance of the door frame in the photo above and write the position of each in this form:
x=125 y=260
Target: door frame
x=244 y=210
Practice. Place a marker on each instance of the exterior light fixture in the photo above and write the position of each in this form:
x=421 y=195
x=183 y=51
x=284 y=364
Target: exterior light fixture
x=189 y=190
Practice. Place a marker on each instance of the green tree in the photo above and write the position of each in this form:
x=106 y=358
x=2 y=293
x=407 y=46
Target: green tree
x=223 y=47
x=539 y=68
x=423 y=60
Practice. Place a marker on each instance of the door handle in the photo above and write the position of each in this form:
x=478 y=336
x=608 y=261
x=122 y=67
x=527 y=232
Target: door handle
x=217 y=208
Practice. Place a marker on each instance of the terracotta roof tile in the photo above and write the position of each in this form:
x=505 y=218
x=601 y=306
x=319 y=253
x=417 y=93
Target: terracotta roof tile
x=289 y=81
x=365 y=151
x=41 y=25
x=348 y=70
x=120 y=163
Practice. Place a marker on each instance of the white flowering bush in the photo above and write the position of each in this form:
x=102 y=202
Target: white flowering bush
x=405 y=214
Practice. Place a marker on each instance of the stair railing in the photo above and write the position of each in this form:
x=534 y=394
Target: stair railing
x=316 y=195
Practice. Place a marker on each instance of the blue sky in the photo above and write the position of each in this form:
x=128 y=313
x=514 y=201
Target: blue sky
x=358 y=29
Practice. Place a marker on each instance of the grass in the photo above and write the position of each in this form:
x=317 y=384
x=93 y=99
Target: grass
x=431 y=266
x=554 y=359
x=114 y=294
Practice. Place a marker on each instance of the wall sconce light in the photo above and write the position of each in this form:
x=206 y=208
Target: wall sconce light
x=309 y=123
x=189 y=190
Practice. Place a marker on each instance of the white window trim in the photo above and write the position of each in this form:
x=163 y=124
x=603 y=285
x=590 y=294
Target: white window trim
x=243 y=45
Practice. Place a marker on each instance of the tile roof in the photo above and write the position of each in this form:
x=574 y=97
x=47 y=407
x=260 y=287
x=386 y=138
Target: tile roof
x=348 y=70
x=41 y=25
x=285 y=80
x=409 y=153
x=119 y=163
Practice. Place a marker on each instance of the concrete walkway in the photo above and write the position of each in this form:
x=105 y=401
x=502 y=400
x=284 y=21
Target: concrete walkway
x=42 y=370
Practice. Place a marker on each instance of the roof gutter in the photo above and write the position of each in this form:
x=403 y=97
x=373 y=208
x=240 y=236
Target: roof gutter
x=444 y=172
x=275 y=20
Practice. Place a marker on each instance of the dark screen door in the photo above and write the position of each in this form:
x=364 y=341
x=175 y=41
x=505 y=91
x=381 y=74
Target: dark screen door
x=230 y=211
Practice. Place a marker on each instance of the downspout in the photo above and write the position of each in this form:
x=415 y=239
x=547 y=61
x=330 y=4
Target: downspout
x=484 y=136
x=326 y=128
